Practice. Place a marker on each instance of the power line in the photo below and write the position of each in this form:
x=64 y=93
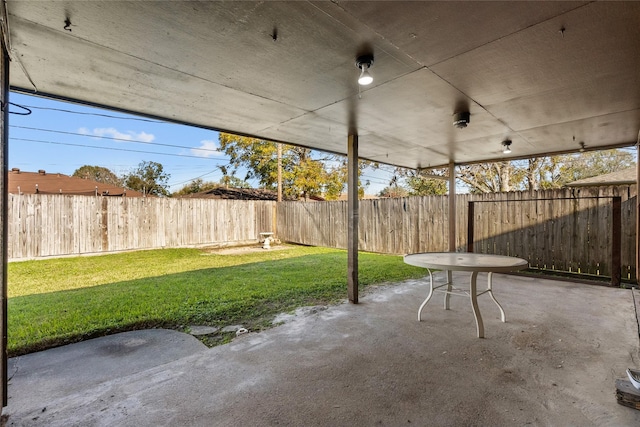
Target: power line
x=375 y=178
x=108 y=148
x=324 y=160
x=192 y=179
x=94 y=114
x=114 y=138
x=378 y=179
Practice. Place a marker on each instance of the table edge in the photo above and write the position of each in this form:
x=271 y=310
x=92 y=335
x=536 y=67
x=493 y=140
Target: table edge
x=495 y=269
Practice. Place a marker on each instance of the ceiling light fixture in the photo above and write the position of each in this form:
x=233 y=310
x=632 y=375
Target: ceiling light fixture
x=507 y=146
x=364 y=62
x=461 y=119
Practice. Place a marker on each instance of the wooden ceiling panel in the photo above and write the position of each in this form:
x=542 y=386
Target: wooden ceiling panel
x=530 y=71
x=608 y=130
x=600 y=41
x=432 y=31
x=122 y=82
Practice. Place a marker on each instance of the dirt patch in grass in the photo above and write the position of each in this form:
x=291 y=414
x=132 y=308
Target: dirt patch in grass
x=241 y=250
x=257 y=324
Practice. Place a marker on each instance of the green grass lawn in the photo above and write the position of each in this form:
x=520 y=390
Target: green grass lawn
x=59 y=301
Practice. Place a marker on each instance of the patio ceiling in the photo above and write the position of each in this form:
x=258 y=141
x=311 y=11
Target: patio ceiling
x=547 y=75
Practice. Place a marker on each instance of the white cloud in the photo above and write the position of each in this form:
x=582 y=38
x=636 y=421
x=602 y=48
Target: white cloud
x=115 y=133
x=205 y=149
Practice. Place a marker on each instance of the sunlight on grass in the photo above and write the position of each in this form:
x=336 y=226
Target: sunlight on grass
x=31 y=277
x=57 y=301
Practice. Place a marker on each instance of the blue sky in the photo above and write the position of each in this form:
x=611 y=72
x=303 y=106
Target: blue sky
x=62 y=141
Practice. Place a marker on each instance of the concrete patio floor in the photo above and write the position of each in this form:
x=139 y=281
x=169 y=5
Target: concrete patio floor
x=554 y=362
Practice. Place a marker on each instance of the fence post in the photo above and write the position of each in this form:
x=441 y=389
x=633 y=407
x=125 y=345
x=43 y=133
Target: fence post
x=274 y=219
x=616 y=241
x=104 y=217
x=470 y=216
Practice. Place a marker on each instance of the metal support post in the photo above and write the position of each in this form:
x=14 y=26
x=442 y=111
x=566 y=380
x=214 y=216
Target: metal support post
x=4 y=198
x=353 y=219
x=452 y=207
x=638 y=211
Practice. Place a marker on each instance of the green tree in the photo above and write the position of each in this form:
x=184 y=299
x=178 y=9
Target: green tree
x=561 y=170
x=197 y=185
x=232 y=182
x=421 y=183
x=98 y=174
x=416 y=182
x=393 y=191
x=258 y=156
x=305 y=173
x=491 y=177
x=542 y=172
x=304 y=176
x=148 y=178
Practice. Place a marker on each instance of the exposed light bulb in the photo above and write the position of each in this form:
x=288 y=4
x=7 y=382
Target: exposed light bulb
x=365 y=78
x=507 y=146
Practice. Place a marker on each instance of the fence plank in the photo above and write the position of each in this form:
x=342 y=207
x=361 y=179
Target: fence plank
x=42 y=225
x=554 y=229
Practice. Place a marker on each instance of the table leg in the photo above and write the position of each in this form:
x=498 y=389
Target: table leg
x=428 y=296
x=448 y=293
x=490 y=290
x=474 y=305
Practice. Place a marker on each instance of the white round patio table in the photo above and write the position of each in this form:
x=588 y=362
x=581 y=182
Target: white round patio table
x=472 y=262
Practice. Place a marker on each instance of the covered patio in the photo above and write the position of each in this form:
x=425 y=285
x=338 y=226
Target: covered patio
x=554 y=362
x=453 y=82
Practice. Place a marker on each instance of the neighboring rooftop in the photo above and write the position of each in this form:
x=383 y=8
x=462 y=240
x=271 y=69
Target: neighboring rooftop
x=41 y=182
x=235 y=194
x=243 y=194
x=621 y=177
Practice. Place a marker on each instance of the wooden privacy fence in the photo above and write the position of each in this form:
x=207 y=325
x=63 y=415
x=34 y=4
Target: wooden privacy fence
x=587 y=231
x=51 y=225
x=570 y=231
x=398 y=226
x=564 y=230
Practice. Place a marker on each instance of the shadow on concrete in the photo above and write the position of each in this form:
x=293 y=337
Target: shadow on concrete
x=554 y=362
